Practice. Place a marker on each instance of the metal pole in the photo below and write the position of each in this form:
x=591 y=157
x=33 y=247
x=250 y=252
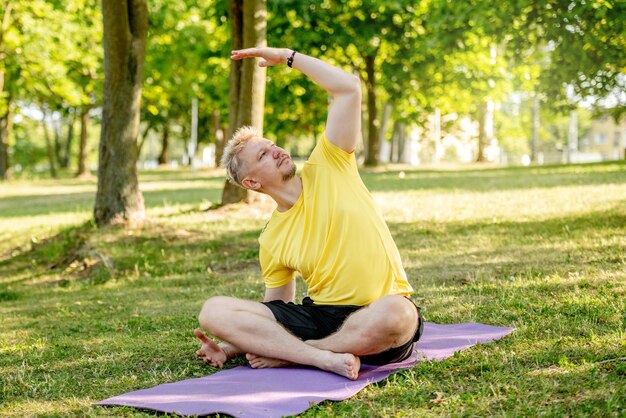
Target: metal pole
x=572 y=138
x=194 y=131
x=437 y=137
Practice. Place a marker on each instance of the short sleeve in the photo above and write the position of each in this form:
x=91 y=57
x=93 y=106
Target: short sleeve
x=328 y=154
x=274 y=273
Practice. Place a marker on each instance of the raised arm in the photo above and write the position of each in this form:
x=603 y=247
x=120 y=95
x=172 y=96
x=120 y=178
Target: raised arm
x=343 y=126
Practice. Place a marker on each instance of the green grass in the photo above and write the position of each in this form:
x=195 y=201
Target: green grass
x=87 y=314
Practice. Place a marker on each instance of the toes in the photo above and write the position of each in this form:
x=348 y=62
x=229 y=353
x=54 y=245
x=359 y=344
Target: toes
x=198 y=333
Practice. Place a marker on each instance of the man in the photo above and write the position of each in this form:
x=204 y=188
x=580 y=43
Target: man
x=325 y=227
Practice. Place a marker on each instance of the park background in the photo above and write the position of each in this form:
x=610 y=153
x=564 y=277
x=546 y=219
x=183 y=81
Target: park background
x=492 y=140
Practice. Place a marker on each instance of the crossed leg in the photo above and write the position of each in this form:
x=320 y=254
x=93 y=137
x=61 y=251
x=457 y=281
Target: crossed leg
x=251 y=327
x=246 y=326
x=386 y=323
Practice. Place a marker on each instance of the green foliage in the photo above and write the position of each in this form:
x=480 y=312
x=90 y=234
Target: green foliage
x=513 y=125
x=583 y=43
x=187 y=57
x=426 y=55
x=54 y=49
x=29 y=150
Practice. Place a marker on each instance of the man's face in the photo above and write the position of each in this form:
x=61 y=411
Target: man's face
x=266 y=164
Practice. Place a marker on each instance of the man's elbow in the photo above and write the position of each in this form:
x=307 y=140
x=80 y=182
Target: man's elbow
x=350 y=86
x=354 y=85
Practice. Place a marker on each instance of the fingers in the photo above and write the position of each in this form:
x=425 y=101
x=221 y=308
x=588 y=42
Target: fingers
x=244 y=53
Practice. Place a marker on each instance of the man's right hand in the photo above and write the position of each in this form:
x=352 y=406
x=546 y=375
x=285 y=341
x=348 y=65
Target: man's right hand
x=269 y=56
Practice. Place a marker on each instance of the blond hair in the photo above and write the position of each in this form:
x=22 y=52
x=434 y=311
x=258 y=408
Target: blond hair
x=230 y=159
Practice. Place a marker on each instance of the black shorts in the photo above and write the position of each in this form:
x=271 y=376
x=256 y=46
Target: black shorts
x=313 y=322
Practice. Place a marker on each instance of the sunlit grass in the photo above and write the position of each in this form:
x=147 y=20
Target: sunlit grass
x=87 y=313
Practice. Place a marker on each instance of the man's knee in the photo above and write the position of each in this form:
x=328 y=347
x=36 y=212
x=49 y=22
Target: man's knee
x=214 y=312
x=395 y=316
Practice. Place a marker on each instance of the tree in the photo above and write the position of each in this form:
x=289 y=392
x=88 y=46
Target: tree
x=46 y=48
x=368 y=34
x=586 y=49
x=7 y=68
x=118 y=198
x=84 y=63
x=193 y=32
x=248 y=20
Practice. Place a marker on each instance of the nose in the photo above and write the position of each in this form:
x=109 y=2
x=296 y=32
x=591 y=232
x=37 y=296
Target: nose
x=277 y=153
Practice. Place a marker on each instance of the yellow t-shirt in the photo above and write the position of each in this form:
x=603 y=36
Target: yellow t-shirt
x=334 y=236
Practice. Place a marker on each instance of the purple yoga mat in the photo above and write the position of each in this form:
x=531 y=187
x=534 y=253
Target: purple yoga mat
x=246 y=392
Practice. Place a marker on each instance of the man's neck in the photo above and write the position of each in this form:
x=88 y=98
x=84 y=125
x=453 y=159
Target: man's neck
x=288 y=194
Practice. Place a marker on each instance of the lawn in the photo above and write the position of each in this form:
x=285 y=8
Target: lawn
x=87 y=314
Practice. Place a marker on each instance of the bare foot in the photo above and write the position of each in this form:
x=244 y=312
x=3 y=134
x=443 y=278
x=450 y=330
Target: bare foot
x=346 y=365
x=214 y=354
x=259 y=362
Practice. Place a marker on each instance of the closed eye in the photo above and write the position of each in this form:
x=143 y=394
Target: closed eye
x=264 y=151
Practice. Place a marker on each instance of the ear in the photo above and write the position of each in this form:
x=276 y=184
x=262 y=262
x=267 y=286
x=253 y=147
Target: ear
x=250 y=184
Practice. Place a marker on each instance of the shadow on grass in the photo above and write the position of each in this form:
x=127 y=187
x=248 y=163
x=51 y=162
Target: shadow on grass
x=51 y=252
x=36 y=205
x=76 y=254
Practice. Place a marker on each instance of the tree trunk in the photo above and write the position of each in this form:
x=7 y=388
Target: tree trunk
x=82 y=149
x=67 y=152
x=7 y=117
x=57 y=127
x=142 y=139
x=401 y=142
x=163 y=158
x=118 y=199
x=371 y=158
x=438 y=151
x=572 y=136
x=252 y=90
x=382 y=136
x=534 y=146
x=485 y=128
x=5 y=130
x=6 y=122
x=393 y=150
x=49 y=145
x=235 y=14
x=232 y=193
x=247 y=97
x=218 y=134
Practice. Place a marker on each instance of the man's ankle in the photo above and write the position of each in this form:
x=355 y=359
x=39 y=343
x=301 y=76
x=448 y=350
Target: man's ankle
x=228 y=349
